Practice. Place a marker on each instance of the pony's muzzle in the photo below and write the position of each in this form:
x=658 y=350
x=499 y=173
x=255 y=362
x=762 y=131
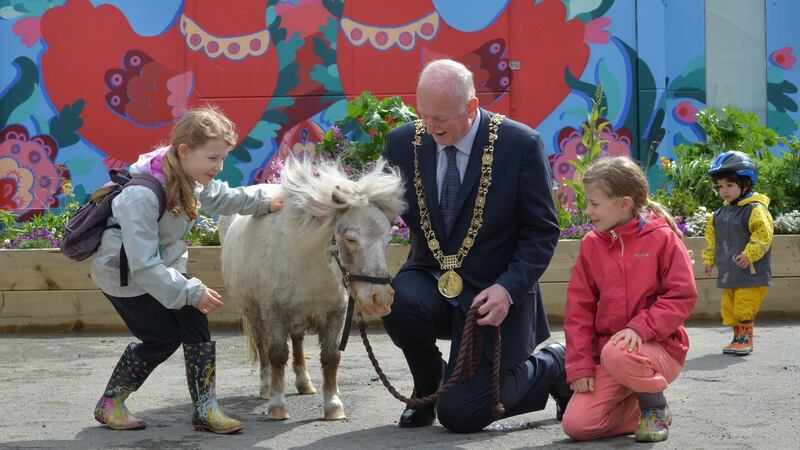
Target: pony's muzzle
x=377 y=300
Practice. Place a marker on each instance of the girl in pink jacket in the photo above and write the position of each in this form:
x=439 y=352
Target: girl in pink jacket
x=631 y=290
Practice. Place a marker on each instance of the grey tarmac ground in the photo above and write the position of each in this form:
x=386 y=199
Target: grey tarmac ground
x=50 y=383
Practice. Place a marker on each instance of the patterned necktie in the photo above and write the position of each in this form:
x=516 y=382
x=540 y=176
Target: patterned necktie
x=450 y=186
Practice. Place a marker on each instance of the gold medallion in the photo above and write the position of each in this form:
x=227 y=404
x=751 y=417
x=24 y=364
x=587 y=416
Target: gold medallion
x=450 y=284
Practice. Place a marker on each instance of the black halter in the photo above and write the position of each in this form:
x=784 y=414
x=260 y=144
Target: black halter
x=347 y=277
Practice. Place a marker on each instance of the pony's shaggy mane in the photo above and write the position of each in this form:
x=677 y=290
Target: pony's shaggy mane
x=317 y=189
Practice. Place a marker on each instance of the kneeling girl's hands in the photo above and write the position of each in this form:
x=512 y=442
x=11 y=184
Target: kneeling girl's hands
x=210 y=302
x=582 y=385
x=628 y=339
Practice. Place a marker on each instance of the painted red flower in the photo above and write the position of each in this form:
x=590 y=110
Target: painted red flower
x=783 y=58
x=685 y=113
x=29 y=181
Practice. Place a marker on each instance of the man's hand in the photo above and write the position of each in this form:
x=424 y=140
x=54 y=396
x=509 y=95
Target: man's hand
x=707 y=269
x=494 y=304
x=582 y=385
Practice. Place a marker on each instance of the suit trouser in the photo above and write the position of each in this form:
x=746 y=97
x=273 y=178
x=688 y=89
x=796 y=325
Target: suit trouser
x=741 y=304
x=160 y=329
x=613 y=409
x=420 y=316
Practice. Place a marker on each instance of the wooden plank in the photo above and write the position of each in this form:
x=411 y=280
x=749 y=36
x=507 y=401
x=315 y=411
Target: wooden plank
x=205 y=264
x=48 y=269
x=89 y=310
x=84 y=310
x=785 y=260
x=42 y=269
x=782 y=300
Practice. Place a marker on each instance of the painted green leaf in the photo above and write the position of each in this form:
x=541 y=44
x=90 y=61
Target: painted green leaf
x=64 y=126
x=776 y=94
x=21 y=90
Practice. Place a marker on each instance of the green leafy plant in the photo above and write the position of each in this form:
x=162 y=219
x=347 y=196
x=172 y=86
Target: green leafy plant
x=359 y=138
x=570 y=213
x=688 y=185
x=204 y=232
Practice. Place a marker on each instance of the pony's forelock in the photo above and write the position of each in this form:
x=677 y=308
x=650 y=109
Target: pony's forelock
x=318 y=189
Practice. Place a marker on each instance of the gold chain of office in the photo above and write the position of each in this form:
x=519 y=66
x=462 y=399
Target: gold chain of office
x=450 y=283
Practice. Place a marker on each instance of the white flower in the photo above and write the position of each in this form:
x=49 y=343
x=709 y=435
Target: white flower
x=788 y=223
x=696 y=223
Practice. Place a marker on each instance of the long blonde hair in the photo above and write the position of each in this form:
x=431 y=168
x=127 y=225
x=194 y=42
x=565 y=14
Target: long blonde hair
x=194 y=128
x=619 y=176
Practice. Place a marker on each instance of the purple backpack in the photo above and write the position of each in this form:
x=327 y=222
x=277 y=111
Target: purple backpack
x=84 y=230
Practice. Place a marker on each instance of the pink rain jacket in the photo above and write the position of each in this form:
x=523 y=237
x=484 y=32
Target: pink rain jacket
x=638 y=276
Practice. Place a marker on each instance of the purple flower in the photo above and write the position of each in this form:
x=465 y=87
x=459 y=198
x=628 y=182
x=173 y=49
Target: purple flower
x=39 y=238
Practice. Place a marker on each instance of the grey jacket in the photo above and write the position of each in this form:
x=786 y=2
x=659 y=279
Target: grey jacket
x=157 y=255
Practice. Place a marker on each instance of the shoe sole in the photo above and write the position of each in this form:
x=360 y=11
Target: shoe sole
x=742 y=352
x=210 y=430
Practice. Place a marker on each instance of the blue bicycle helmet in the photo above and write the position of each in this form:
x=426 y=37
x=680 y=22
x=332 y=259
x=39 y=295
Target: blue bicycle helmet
x=736 y=162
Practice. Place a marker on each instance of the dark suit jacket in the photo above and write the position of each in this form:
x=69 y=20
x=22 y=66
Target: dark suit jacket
x=519 y=232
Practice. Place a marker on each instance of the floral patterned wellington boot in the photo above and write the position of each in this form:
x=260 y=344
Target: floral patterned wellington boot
x=654 y=424
x=201 y=375
x=129 y=374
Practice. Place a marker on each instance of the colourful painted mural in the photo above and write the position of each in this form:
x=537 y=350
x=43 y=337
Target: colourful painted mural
x=87 y=85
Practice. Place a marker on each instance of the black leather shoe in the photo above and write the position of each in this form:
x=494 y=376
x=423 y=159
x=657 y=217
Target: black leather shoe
x=418 y=416
x=422 y=416
x=560 y=391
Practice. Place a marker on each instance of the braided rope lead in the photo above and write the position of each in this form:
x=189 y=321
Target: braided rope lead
x=469 y=355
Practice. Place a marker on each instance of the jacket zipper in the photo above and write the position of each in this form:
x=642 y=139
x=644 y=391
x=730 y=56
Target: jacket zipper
x=617 y=237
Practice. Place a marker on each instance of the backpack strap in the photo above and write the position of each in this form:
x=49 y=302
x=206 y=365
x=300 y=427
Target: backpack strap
x=123 y=177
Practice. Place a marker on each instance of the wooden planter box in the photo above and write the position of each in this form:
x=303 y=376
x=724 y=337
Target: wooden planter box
x=41 y=290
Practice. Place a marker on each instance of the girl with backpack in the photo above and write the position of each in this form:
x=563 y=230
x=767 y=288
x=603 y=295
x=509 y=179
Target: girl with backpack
x=160 y=305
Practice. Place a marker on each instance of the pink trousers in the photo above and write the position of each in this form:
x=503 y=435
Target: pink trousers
x=612 y=409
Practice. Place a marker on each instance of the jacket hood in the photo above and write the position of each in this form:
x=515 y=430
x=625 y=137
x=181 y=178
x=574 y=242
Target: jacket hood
x=754 y=198
x=638 y=225
x=151 y=163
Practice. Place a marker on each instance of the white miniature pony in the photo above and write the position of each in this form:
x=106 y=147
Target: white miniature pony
x=280 y=267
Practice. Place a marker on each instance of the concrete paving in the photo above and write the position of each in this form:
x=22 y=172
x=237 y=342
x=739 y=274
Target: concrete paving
x=50 y=383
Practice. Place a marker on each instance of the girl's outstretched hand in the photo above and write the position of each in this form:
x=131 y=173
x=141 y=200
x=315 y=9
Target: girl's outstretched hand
x=628 y=339
x=210 y=302
x=276 y=203
x=582 y=385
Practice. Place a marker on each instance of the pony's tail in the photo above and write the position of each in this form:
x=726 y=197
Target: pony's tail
x=250 y=343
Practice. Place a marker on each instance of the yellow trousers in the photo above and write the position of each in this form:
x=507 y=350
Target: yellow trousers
x=741 y=304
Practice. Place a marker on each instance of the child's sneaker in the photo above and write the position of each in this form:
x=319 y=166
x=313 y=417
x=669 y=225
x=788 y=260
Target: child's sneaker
x=654 y=425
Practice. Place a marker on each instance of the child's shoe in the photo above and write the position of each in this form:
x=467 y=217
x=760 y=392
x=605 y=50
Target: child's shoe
x=728 y=349
x=743 y=344
x=654 y=425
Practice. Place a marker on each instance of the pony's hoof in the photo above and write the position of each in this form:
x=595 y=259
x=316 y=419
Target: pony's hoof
x=336 y=414
x=264 y=393
x=334 y=410
x=306 y=389
x=278 y=413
